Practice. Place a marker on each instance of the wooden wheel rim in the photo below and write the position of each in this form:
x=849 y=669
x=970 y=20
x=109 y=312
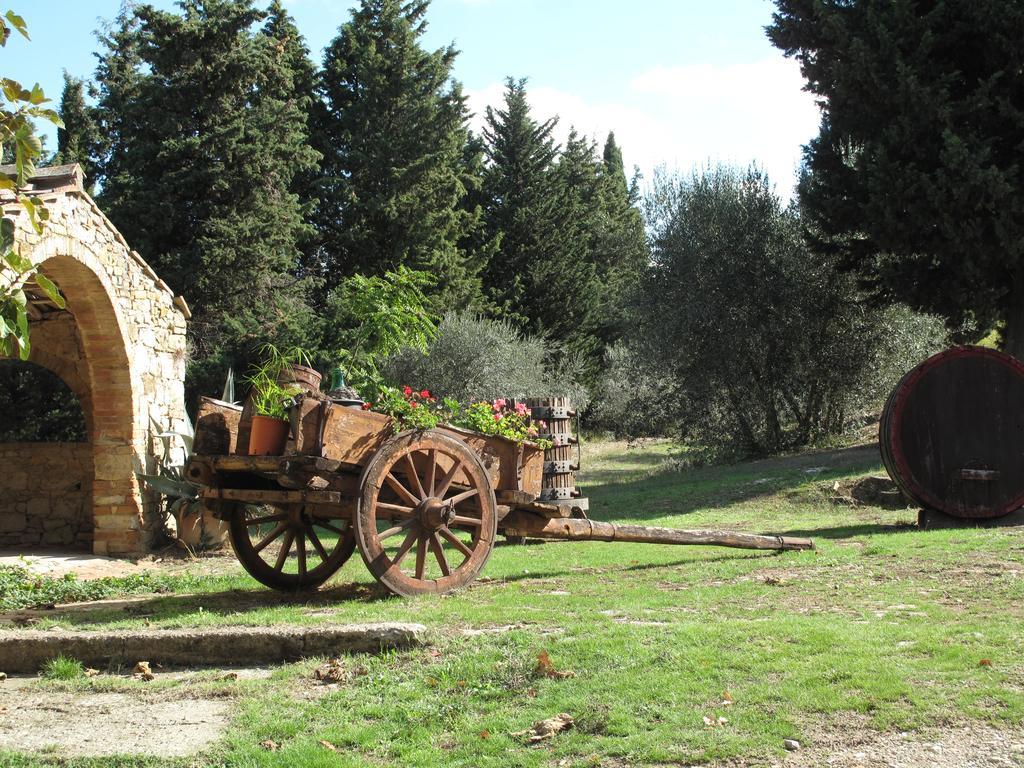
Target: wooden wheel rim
x=265 y=540
x=431 y=513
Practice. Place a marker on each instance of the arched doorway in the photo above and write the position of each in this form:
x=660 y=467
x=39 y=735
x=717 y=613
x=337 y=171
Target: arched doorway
x=118 y=345
x=46 y=492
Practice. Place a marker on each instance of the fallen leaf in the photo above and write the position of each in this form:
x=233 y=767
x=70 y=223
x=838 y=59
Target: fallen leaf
x=531 y=693
x=485 y=734
x=143 y=672
x=546 y=669
x=708 y=721
x=327 y=745
x=90 y=672
x=546 y=729
x=723 y=721
x=332 y=672
x=270 y=745
x=228 y=676
x=434 y=652
x=984 y=663
x=726 y=699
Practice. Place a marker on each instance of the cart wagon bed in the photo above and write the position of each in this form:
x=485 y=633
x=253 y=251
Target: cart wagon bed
x=423 y=507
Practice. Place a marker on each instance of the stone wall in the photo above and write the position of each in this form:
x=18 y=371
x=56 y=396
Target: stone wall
x=46 y=496
x=127 y=360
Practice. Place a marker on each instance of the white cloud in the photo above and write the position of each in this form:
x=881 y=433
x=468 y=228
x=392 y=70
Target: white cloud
x=690 y=116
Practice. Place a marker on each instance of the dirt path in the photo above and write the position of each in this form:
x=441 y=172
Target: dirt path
x=105 y=724
x=966 y=746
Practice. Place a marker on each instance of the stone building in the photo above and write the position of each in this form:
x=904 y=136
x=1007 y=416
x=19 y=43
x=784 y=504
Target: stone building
x=120 y=347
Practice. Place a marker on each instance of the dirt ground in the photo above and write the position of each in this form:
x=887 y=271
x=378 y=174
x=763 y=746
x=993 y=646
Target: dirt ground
x=967 y=746
x=105 y=724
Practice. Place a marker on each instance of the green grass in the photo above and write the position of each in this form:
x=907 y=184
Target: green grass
x=883 y=625
x=62 y=668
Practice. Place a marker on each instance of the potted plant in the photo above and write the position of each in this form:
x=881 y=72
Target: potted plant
x=273 y=389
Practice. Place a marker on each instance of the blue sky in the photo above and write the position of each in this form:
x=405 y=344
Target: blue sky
x=681 y=82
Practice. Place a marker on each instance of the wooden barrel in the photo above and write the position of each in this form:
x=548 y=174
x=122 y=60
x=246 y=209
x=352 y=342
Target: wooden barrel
x=952 y=433
x=561 y=461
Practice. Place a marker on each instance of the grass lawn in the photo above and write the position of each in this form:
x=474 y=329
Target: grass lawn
x=884 y=626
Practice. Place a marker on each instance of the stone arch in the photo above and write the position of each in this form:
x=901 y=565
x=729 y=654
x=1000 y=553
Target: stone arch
x=119 y=345
x=116 y=500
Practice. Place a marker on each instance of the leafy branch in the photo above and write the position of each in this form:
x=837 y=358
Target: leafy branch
x=18 y=132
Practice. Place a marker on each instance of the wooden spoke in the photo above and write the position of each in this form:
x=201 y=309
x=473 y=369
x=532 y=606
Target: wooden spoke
x=394 y=508
x=395 y=530
x=438 y=550
x=421 y=556
x=446 y=481
x=456 y=542
x=317 y=544
x=329 y=513
x=417 y=485
x=293 y=526
x=388 y=525
x=329 y=527
x=400 y=489
x=266 y=519
x=403 y=550
x=281 y=528
x=463 y=496
x=286 y=547
x=301 y=551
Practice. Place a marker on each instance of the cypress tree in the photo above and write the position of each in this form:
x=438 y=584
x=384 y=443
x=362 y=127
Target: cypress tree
x=205 y=142
x=621 y=253
x=393 y=136
x=78 y=141
x=521 y=208
x=915 y=177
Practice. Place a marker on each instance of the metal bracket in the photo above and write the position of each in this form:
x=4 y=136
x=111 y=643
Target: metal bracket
x=559 y=467
x=548 y=412
x=558 y=494
x=979 y=474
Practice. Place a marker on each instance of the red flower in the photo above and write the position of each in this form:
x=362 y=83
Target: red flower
x=406 y=391
x=414 y=405
x=367 y=406
x=425 y=394
x=497 y=417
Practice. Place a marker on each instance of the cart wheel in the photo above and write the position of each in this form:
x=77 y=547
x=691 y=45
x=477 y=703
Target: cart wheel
x=428 y=492
x=290 y=547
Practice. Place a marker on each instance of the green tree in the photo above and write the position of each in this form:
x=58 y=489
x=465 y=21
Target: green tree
x=206 y=134
x=621 y=252
x=768 y=344
x=915 y=176
x=520 y=202
x=78 y=141
x=393 y=137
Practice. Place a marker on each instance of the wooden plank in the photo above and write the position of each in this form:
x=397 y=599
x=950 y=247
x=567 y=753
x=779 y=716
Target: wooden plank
x=276 y=497
x=216 y=427
x=352 y=436
x=570 y=529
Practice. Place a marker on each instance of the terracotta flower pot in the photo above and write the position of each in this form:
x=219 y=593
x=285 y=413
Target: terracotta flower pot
x=267 y=436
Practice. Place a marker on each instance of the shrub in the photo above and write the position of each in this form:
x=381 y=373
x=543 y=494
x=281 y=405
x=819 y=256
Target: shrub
x=474 y=358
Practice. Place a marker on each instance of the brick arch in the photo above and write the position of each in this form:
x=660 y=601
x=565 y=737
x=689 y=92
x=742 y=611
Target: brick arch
x=112 y=416
x=120 y=346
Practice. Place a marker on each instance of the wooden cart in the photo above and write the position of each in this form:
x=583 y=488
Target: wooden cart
x=423 y=507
